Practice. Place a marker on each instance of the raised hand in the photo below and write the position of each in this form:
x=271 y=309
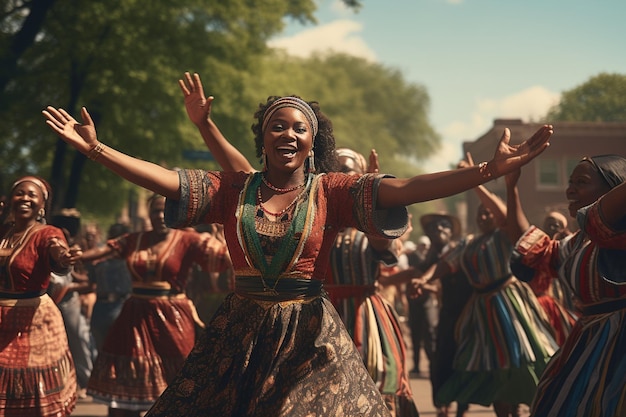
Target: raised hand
x=373 y=166
x=197 y=105
x=509 y=157
x=467 y=162
x=82 y=137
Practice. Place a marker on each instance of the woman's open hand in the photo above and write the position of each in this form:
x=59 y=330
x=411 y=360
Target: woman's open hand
x=82 y=137
x=509 y=158
x=197 y=105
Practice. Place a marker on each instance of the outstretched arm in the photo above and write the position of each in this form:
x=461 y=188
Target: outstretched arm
x=199 y=111
x=613 y=207
x=401 y=192
x=516 y=221
x=83 y=138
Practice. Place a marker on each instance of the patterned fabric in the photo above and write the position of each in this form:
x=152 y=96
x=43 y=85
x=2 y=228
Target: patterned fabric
x=561 y=319
x=149 y=341
x=37 y=375
x=587 y=376
x=503 y=336
x=379 y=340
x=270 y=358
x=369 y=318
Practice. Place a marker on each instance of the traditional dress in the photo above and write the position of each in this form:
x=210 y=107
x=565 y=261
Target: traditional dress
x=587 y=376
x=504 y=339
x=561 y=318
x=155 y=331
x=369 y=318
x=37 y=376
x=276 y=346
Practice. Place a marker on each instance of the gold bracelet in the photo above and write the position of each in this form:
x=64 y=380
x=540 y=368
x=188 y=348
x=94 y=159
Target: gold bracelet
x=95 y=151
x=485 y=172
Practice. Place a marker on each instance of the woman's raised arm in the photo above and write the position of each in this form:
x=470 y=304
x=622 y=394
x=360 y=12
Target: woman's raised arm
x=83 y=138
x=198 y=108
x=402 y=192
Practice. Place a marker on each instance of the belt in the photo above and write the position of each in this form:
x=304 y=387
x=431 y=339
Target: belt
x=493 y=286
x=279 y=290
x=110 y=297
x=22 y=295
x=603 y=308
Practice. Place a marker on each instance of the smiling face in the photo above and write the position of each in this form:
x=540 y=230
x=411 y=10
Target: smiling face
x=26 y=201
x=287 y=140
x=586 y=185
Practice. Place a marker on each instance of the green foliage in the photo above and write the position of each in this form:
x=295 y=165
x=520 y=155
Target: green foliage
x=122 y=60
x=371 y=106
x=600 y=99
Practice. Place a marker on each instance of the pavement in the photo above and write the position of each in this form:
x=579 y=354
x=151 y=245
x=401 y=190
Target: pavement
x=420 y=384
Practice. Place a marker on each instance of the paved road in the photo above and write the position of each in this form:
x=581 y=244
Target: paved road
x=421 y=391
x=420 y=386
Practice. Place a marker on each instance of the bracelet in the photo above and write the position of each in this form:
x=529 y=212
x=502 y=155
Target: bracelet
x=485 y=172
x=95 y=151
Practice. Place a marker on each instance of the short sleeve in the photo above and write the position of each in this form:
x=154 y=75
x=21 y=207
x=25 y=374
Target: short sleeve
x=205 y=197
x=363 y=192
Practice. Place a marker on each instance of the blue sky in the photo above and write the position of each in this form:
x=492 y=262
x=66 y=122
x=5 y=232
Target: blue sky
x=478 y=59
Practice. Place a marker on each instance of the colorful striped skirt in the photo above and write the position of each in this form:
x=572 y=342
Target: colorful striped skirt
x=587 y=376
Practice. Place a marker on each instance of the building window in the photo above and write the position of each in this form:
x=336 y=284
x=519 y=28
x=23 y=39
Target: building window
x=570 y=164
x=549 y=174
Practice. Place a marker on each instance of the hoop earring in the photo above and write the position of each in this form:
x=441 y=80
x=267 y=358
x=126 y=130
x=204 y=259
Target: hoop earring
x=311 y=162
x=41 y=214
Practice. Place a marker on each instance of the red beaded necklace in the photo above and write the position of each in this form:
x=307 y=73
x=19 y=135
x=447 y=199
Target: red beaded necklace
x=278 y=189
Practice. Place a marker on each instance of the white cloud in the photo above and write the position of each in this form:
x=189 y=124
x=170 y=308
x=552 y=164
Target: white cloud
x=339 y=8
x=529 y=104
x=338 y=36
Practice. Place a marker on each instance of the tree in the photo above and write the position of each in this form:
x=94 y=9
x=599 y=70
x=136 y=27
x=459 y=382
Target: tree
x=121 y=59
x=370 y=105
x=601 y=98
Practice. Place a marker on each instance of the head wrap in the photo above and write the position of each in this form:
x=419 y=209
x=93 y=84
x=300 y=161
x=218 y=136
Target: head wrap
x=358 y=159
x=34 y=180
x=612 y=168
x=296 y=103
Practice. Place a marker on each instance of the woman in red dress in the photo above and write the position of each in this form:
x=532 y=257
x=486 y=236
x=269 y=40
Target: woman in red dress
x=155 y=331
x=37 y=376
x=277 y=346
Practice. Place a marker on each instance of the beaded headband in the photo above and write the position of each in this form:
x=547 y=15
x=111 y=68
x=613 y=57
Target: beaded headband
x=34 y=180
x=296 y=103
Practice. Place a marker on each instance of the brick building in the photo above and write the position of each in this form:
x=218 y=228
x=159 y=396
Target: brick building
x=544 y=180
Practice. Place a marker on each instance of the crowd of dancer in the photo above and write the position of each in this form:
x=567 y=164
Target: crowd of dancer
x=516 y=314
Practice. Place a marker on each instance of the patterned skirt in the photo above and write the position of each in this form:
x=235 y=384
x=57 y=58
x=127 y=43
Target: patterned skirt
x=504 y=341
x=145 y=347
x=37 y=376
x=587 y=376
x=561 y=319
x=379 y=339
x=256 y=358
